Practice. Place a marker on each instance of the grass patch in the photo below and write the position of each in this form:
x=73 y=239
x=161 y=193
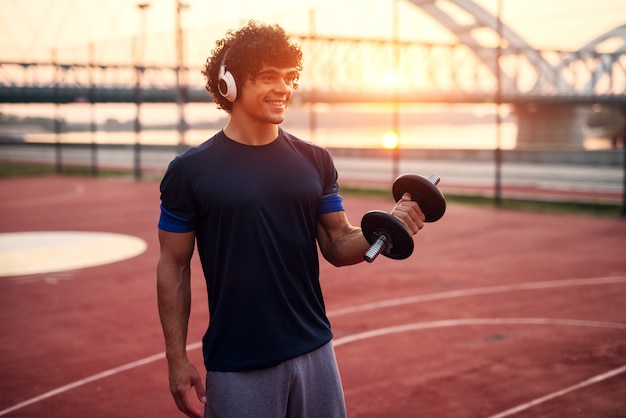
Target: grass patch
x=15 y=169
x=607 y=209
x=369 y=193
x=604 y=209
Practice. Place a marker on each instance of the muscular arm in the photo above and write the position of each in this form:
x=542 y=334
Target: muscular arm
x=174 y=301
x=343 y=244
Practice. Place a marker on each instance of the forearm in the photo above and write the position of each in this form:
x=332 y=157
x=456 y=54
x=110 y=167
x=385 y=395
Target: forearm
x=344 y=249
x=174 y=303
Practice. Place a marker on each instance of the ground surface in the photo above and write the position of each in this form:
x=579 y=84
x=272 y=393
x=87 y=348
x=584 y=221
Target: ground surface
x=497 y=313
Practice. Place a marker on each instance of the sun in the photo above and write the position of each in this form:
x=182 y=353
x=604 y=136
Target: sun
x=390 y=140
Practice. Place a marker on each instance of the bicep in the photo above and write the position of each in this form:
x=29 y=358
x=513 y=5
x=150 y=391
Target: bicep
x=330 y=226
x=176 y=247
x=340 y=242
x=174 y=267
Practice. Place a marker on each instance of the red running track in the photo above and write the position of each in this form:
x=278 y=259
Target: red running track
x=497 y=313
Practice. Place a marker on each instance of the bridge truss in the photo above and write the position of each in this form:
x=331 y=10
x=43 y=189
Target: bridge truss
x=350 y=70
x=344 y=70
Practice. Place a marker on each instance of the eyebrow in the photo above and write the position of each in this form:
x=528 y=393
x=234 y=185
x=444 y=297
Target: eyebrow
x=276 y=71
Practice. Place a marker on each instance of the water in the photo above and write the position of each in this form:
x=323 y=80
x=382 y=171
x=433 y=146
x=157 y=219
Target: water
x=426 y=136
x=429 y=136
x=351 y=126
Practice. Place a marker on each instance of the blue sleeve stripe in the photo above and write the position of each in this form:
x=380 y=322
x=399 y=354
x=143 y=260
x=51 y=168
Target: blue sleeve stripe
x=331 y=203
x=172 y=223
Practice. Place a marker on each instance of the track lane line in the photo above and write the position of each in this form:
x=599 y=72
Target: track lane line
x=553 y=395
x=92 y=378
x=374 y=333
x=78 y=189
x=416 y=326
x=388 y=303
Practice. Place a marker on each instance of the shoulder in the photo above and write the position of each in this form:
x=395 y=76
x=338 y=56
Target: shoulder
x=202 y=154
x=305 y=146
x=211 y=143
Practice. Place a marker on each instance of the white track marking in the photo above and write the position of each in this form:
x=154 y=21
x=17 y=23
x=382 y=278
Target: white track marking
x=77 y=190
x=473 y=292
x=366 y=335
x=28 y=253
x=92 y=378
x=473 y=321
x=389 y=330
x=498 y=321
x=584 y=383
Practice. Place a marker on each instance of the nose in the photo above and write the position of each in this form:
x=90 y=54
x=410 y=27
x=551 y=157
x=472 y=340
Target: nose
x=283 y=86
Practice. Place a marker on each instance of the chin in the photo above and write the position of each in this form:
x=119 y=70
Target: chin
x=277 y=120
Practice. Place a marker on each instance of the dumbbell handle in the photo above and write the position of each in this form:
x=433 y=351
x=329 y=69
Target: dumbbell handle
x=434 y=179
x=376 y=248
x=381 y=243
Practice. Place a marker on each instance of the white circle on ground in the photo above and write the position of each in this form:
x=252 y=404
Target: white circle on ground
x=53 y=251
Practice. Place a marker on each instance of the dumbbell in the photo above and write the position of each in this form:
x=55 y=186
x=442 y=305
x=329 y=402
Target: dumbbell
x=386 y=233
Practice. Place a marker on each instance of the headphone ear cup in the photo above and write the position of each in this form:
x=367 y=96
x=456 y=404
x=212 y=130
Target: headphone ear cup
x=226 y=84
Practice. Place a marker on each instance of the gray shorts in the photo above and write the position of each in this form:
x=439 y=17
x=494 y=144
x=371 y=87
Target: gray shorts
x=306 y=386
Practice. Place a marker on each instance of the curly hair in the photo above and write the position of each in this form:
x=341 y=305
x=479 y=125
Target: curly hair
x=247 y=50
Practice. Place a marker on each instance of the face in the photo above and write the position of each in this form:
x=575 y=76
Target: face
x=265 y=96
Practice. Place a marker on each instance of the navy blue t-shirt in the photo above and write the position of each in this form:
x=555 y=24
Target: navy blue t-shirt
x=254 y=211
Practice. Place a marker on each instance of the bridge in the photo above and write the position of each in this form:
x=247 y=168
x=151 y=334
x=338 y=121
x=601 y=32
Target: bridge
x=547 y=88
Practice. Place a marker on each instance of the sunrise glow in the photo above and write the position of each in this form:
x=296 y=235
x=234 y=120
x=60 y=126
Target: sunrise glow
x=390 y=140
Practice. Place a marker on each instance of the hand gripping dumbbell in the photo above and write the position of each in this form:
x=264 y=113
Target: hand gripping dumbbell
x=386 y=233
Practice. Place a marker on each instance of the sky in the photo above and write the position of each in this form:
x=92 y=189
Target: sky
x=37 y=30
x=32 y=29
x=118 y=31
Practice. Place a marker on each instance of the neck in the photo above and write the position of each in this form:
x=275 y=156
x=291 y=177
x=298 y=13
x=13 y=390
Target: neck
x=251 y=133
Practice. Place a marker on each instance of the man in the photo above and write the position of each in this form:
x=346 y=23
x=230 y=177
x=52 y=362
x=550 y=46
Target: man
x=257 y=202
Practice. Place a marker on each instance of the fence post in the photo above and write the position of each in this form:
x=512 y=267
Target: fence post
x=92 y=104
x=624 y=162
x=498 y=151
x=58 y=151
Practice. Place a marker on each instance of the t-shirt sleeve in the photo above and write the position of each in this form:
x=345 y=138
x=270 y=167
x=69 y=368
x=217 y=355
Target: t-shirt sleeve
x=177 y=200
x=331 y=200
x=331 y=203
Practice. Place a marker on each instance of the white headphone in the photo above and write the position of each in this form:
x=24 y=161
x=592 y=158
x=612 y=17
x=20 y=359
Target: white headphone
x=226 y=82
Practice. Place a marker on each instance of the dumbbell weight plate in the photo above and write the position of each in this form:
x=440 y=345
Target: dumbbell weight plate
x=424 y=192
x=377 y=223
